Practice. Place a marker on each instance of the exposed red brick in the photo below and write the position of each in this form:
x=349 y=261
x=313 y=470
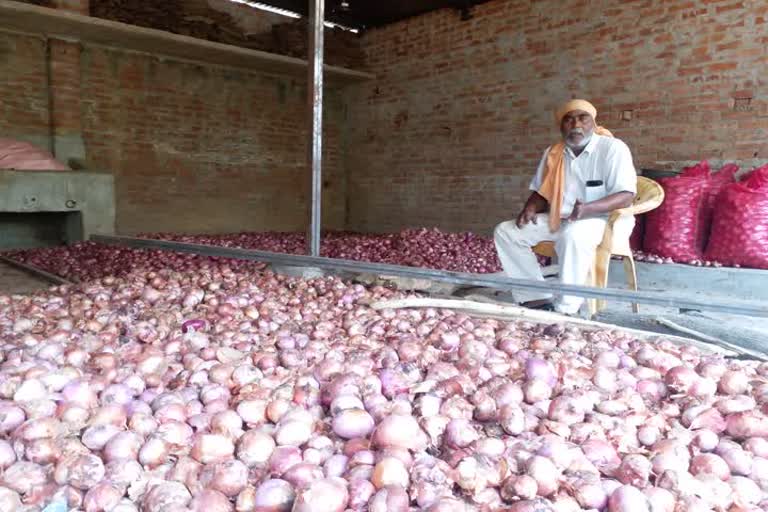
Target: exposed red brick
x=479 y=99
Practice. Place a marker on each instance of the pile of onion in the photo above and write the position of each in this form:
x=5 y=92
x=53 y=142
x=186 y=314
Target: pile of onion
x=429 y=248
x=220 y=387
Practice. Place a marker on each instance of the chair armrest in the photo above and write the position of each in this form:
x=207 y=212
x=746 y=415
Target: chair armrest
x=621 y=212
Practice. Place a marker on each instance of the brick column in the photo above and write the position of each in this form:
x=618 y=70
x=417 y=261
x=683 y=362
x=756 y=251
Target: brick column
x=65 y=93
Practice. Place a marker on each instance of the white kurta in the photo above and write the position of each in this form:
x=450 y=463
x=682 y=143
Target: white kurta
x=604 y=168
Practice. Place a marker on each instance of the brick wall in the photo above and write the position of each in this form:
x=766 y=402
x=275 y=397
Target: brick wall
x=451 y=131
x=193 y=148
x=199 y=149
x=24 y=100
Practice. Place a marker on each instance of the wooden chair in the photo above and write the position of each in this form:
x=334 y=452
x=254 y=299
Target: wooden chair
x=649 y=196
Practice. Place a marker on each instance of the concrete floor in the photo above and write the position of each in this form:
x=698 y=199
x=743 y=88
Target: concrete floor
x=15 y=281
x=716 y=284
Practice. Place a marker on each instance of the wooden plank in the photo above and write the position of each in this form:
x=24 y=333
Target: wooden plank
x=520 y=313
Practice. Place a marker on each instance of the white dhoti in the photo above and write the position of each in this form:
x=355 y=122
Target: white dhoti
x=575 y=246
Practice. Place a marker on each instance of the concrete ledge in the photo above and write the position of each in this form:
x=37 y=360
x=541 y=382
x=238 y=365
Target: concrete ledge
x=737 y=283
x=91 y=193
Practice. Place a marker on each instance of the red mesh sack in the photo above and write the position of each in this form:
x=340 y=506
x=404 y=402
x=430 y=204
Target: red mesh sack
x=674 y=229
x=756 y=179
x=740 y=225
x=636 y=238
x=700 y=170
x=714 y=185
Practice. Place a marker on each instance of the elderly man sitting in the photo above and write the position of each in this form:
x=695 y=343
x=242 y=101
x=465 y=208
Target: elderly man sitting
x=580 y=180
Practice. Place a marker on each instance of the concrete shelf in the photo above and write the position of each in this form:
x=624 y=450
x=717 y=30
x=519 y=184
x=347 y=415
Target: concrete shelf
x=27 y=18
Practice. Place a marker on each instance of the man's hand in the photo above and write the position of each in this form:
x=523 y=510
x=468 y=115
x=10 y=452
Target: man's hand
x=526 y=216
x=579 y=211
x=601 y=206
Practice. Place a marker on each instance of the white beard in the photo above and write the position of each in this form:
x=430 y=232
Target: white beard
x=582 y=144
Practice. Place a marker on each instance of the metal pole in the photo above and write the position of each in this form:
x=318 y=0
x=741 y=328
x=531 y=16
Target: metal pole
x=315 y=104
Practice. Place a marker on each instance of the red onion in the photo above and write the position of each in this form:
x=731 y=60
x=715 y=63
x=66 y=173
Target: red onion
x=536 y=391
x=7 y=455
x=229 y=478
x=255 y=447
x=680 y=379
x=710 y=464
x=165 y=496
x=538 y=369
x=634 y=470
x=352 y=423
x=389 y=499
x=294 y=433
x=81 y=471
x=545 y=473
x=246 y=500
x=747 y=424
x=400 y=431
x=23 y=476
x=360 y=493
x=628 y=499
x=705 y=440
x=660 y=500
x=302 y=475
x=326 y=495
x=284 y=458
x=209 y=448
x=11 y=417
x=738 y=461
x=196 y=324
x=390 y=471
x=101 y=498
x=9 y=500
x=733 y=383
x=523 y=486
x=210 y=501
x=745 y=491
x=123 y=445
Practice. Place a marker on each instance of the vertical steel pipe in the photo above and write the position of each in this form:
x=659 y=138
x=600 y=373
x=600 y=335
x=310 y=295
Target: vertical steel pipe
x=315 y=107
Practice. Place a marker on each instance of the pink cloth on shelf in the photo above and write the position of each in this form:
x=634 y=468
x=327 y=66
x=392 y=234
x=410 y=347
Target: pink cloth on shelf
x=23 y=156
